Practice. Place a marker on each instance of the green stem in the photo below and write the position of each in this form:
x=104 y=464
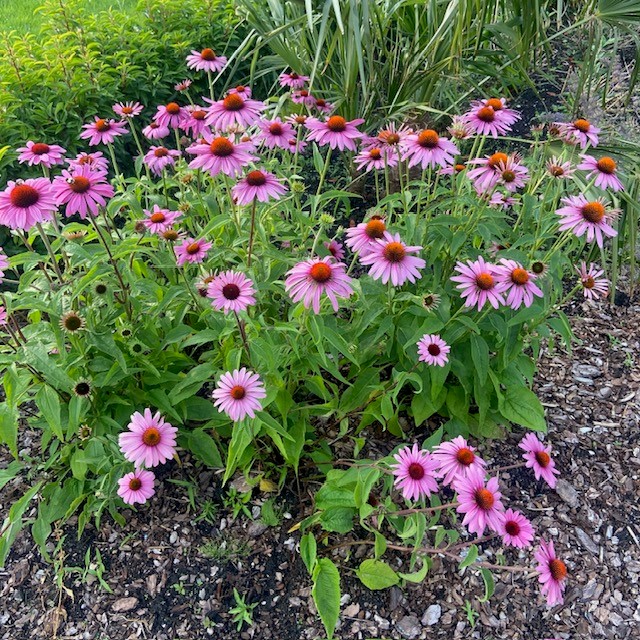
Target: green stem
x=50 y=251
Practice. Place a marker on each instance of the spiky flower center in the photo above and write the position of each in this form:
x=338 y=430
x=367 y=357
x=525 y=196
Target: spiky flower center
x=275 y=129
x=542 y=458
x=135 y=484
x=606 y=165
x=161 y=152
x=582 y=125
x=238 y=392
x=233 y=102
x=433 y=349
x=321 y=102
x=231 y=291
x=221 y=147
x=394 y=252
x=170 y=234
x=127 y=111
x=72 y=322
x=593 y=212
x=495 y=104
x=556 y=170
x=497 y=159
x=416 y=471
x=428 y=139
x=519 y=276
x=465 y=456
x=512 y=527
x=241 y=88
x=300 y=119
x=484 y=499
x=293 y=75
x=508 y=175
x=87 y=159
x=558 y=569
x=24 y=195
x=459 y=167
x=39 y=148
x=485 y=281
x=102 y=125
x=336 y=124
x=256 y=178
x=304 y=93
x=375 y=228
x=208 y=55
x=158 y=217
x=538 y=267
x=375 y=154
x=80 y=184
x=391 y=138
x=320 y=272
x=82 y=389
x=486 y=114
x=588 y=282
x=151 y=436
x=198 y=114
x=173 y=108
x=193 y=248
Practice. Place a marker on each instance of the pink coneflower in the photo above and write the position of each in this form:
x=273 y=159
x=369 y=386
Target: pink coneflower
x=3 y=316
x=323 y=106
x=452 y=170
x=594 y=285
x=242 y=90
x=297 y=146
x=159 y=158
x=375 y=158
x=238 y=394
x=221 y=155
x=183 y=85
x=170 y=115
x=94 y=160
x=362 y=237
x=486 y=121
x=297 y=119
x=154 y=131
x=24 y=203
x=258 y=185
x=515 y=529
x=206 y=60
x=312 y=278
x=503 y=114
x=103 y=131
x=336 y=132
x=233 y=110
x=41 y=153
x=335 y=249
x=487 y=174
x=390 y=260
x=136 y=486
x=231 y=291
x=558 y=169
x=275 y=133
x=392 y=138
x=603 y=170
x=580 y=132
x=511 y=174
x=415 y=472
x=500 y=201
x=433 y=350
x=4 y=263
x=459 y=129
x=195 y=125
x=514 y=280
x=591 y=217
x=455 y=458
x=159 y=220
x=479 y=502
x=292 y=80
x=150 y=440
x=539 y=459
x=128 y=109
x=428 y=149
x=192 y=251
x=553 y=573
x=303 y=96
x=478 y=283
x=82 y=190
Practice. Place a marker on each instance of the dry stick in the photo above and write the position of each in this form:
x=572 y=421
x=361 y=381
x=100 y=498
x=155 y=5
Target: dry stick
x=243 y=335
x=408 y=512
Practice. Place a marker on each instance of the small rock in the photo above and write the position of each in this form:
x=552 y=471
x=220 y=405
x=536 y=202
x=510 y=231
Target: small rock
x=381 y=622
x=586 y=541
x=567 y=492
x=395 y=598
x=352 y=610
x=124 y=604
x=256 y=529
x=173 y=538
x=409 y=627
x=585 y=371
x=431 y=615
x=604 y=392
x=294 y=601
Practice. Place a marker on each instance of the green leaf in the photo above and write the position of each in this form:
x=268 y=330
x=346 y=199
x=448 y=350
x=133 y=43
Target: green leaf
x=521 y=406
x=48 y=402
x=204 y=448
x=9 y=427
x=376 y=574
x=326 y=594
x=338 y=519
x=489 y=585
x=308 y=551
x=472 y=554
x=480 y=357
x=417 y=576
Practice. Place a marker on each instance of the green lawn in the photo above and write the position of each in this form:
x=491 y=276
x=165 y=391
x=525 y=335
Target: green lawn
x=22 y=15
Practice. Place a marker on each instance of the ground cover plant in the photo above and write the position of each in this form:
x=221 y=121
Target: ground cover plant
x=270 y=271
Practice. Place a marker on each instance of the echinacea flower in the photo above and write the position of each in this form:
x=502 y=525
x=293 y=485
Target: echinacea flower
x=154 y=131
x=303 y=96
x=150 y=440
x=292 y=80
x=337 y=132
x=603 y=170
x=158 y=220
x=433 y=350
x=553 y=573
x=375 y=158
x=206 y=60
x=221 y=155
x=170 y=115
x=192 y=251
x=242 y=90
x=487 y=120
x=455 y=458
x=103 y=131
x=195 y=125
x=335 y=249
x=312 y=278
x=515 y=529
x=275 y=133
x=82 y=190
x=580 y=132
x=258 y=185
x=159 y=158
x=539 y=459
x=479 y=502
x=82 y=389
x=415 y=472
x=95 y=160
x=361 y=237
x=137 y=486
x=392 y=138
x=427 y=149
x=390 y=259
x=233 y=110
x=500 y=200
x=231 y=291
x=583 y=216
x=127 y=109
x=71 y=322
x=594 y=286
x=518 y=283
x=512 y=175
x=323 y=106
x=558 y=169
x=238 y=394
x=47 y=155
x=459 y=129
x=478 y=283
x=4 y=263
x=487 y=174
x=24 y=203
x=3 y=316
x=503 y=113
x=430 y=301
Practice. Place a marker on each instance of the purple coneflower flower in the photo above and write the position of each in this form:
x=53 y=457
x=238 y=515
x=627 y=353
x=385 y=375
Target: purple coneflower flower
x=375 y=158
x=128 y=109
x=415 y=473
x=159 y=158
x=487 y=174
x=95 y=160
x=154 y=131
x=539 y=459
x=195 y=125
x=231 y=291
x=3 y=316
x=292 y=80
x=275 y=133
x=558 y=169
x=553 y=573
x=323 y=106
x=580 y=132
x=603 y=170
x=390 y=260
x=433 y=350
x=103 y=131
x=511 y=174
x=392 y=138
x=428 y=149
x=455 y=458
x=591 y=217
x=336 y=132
x=4 y=263
x=233 y=110
x=335 y=249
x=459 y=129
x=238 y=394
x=485 y=120
x=503 y=114
x=82 y=190
x=221 y=155
x=150 y=440
x=159 y=220
x=136 y=486
x=514 y=280
x=205 y=60
x=242 y=90
x=479 y=502
x=303 y=96
x=362 y=237
x=594 y=285
x=170 y=115
x=24 y=203
x=515 y=529
x=192 y=251
x=258 y=185
x=47 y=155
x=478 y=283
x=499 y=200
